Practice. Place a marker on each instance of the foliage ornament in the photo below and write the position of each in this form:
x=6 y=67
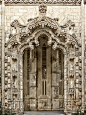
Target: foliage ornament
x=57 y=34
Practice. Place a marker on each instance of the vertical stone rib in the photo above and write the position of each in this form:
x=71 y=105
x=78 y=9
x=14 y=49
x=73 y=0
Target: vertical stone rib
x=3 y=51
x=21 y=82
x=65 y=83
x=83 y=44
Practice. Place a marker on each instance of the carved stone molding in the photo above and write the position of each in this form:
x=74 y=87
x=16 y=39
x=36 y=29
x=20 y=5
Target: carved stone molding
x=35 y=2
x=16 y=24
x=63 y=34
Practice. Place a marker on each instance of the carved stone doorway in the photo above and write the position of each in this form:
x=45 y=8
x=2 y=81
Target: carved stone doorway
x=43 y=76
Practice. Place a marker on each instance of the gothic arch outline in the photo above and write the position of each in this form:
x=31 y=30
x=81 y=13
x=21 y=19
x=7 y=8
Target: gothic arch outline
x=39 y=33
x=64 y=50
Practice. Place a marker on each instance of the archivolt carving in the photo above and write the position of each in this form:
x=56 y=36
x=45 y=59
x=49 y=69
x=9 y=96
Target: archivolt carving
x=29 y=33
x=42 y=21
x=52 y=39
x=62 y=47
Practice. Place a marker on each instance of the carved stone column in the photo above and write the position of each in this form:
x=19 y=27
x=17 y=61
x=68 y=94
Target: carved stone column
x=3 y=53
x=31 y=54
x=83 y=45
x=65 y=83
x=21 y=83
x=25 y=72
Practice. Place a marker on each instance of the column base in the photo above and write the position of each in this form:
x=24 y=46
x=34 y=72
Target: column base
x=3 y=110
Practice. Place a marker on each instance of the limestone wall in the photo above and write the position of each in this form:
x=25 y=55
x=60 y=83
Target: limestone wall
x=0 y=64
x=85 y=21
x=85 y=54
x=0 y=55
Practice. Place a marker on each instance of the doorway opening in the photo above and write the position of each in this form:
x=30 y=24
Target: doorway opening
x=43 y=77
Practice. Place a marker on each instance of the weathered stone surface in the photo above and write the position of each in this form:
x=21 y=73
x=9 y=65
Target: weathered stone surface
x=42 y=54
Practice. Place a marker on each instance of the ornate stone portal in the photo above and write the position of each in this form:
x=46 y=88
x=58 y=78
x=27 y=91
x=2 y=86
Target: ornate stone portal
x=43 y=77
x=40 y=65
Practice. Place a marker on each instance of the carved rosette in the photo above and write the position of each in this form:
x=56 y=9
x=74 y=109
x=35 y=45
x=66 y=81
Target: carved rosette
x=42 y=8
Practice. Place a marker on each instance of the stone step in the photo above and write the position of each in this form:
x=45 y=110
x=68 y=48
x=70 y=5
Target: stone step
x=43 y=113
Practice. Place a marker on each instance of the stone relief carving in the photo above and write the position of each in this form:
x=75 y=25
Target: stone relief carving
x=61 y=103
x=59 y=31
x=42 y=8
x=71 y=72
x=56 y=92
x=32 y=104
x=78 y=2
x=55 y=103
x=23 y=36
x=72 y=53
x=33 y=80
x=43 y=103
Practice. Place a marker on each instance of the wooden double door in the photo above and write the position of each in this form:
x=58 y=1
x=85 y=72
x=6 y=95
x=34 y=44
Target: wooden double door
x=43 y=78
